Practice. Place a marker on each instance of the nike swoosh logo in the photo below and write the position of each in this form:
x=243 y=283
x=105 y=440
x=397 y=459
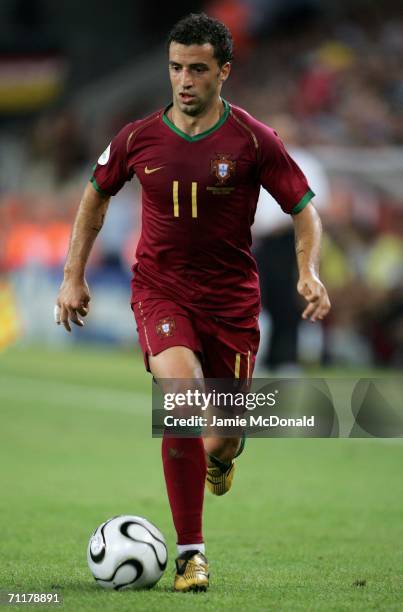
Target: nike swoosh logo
x=151 y=170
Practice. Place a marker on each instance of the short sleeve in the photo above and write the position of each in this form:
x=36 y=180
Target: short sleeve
x=281 y=176
x=111 y=171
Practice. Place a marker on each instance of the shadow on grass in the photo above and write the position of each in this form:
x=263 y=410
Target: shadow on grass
x=85 y=588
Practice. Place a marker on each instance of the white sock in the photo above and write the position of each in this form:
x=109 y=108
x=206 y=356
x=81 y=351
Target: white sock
x=184 y=547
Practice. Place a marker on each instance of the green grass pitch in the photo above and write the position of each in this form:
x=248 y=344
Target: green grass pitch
x=309 y=525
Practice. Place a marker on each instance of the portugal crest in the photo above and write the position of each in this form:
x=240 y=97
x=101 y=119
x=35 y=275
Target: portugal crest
x=166 y=327
x=222 y=167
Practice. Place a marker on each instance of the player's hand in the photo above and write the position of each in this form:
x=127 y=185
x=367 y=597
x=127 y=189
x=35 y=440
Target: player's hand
x=314 y=292
x=72 y=301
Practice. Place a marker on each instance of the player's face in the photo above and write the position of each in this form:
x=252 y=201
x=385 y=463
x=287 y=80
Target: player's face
x=196 y=77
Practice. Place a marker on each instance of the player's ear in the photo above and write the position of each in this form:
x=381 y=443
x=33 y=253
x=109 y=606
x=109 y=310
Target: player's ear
x=224 y=71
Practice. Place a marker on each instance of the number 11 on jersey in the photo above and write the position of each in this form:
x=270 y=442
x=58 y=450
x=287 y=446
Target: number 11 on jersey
x=175 y=195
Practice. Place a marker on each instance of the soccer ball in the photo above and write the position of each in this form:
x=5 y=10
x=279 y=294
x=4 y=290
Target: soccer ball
x=127 y=552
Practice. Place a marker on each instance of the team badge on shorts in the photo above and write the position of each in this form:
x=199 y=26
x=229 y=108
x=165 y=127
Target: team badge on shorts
x=222 y=167
x=166 y=327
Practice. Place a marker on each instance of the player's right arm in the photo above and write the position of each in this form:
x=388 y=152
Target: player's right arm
x=74 y=296
x=110 y=173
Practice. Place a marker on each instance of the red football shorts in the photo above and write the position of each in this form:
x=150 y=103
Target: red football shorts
x=226 y=347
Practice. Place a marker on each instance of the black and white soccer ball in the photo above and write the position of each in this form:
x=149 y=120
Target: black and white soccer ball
x=127 y=552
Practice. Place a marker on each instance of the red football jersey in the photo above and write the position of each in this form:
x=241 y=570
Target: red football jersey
x=199 y=196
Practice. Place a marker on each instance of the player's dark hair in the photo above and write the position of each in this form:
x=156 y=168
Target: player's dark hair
x=198 y=29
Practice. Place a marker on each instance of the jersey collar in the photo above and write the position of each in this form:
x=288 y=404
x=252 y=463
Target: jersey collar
x=215 y=127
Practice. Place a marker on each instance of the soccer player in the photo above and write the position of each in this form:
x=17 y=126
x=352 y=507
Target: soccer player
x=201 y=162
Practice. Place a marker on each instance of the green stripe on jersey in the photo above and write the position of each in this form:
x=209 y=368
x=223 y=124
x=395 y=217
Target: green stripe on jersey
x=303 y=202
x=215 y=127
x=97 y=187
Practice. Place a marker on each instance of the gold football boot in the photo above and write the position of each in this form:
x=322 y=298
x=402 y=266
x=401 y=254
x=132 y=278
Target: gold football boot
x=218 y=481
x=191 y=572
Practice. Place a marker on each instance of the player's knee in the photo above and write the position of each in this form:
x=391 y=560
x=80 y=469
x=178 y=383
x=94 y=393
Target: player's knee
x=184 y=387
x=176 y=363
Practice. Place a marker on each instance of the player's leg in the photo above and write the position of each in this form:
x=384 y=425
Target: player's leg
x=229 y=350
x=185 y=472
x=170 y=344
x=183 y=458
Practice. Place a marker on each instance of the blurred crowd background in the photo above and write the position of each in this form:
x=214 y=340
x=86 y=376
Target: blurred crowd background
x=326 y=74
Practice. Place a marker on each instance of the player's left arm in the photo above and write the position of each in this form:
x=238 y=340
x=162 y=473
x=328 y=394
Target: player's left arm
x=308 y=235
x=285 y=181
